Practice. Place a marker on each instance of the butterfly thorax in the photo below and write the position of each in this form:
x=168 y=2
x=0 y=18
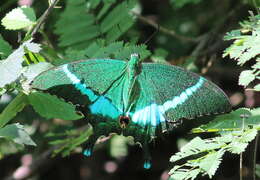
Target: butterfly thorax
x=133 y=68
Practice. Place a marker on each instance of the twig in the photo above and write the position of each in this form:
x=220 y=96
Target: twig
x=44 y=17
x=163 y=29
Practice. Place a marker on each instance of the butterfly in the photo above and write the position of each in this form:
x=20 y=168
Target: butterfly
x=132 y=98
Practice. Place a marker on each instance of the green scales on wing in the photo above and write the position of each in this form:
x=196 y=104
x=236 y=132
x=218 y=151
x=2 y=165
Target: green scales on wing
x=132 y=98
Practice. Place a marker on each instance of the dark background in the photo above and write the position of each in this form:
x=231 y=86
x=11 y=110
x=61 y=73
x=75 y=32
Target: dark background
x=209 y=17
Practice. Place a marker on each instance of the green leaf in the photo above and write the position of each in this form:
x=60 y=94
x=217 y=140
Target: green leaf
x=240 y=139
x=183 y=174
x=5 y=47
x=15 y=106
x=211 y=162
x=235 y=120
x=248 y=136
x=11 y=67
x=66 y=145
x=234 y=34
x=246 y=77
x=9 y=147
x=245 y=48
x=237 y=147
x=16 y=133
x=252 y=47
x=257 y=87
x=19 y=18
x=195 y=146
x=50 y=106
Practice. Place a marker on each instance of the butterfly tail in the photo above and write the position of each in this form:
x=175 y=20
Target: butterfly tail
x=89 y=145
x=147 y=156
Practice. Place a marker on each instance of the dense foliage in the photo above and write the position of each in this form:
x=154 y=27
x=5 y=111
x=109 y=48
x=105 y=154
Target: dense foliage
x=189 y=33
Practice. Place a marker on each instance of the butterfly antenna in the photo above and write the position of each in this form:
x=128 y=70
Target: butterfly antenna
x=152 y=35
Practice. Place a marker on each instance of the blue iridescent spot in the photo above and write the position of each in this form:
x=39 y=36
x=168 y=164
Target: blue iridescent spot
x=81 y=87
x=87 y=152
x=105 y=107
x=154 y=114
x=147 y=165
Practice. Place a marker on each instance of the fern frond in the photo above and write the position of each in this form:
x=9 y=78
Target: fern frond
x=119 y=29
x=130 y=49
x=115 y=50
x=118 y=14
x=80 y=24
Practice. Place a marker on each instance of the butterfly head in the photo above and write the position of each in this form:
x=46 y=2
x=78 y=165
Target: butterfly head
x=135 y=64
x=134 y=59
x=124 y=121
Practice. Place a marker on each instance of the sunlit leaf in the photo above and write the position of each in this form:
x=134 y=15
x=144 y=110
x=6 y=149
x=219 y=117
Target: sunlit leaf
x=211 y=162
x=246 y=77
x=11 y=68
x=235 y=120
x=257 y=87
x=19 y=18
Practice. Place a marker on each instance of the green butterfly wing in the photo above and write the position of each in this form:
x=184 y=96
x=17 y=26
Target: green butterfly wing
x=86 y=83
x=169 y=93
x=98 y=74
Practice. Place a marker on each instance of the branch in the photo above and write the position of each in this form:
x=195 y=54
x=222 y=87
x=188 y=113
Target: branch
x=163 y=29
x=44 y=17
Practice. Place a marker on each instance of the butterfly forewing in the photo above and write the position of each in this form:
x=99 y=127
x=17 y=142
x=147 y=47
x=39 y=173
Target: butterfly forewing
x=90 y=77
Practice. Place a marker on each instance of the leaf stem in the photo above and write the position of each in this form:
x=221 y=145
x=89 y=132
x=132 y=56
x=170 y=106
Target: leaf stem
x=254 y=156
x=241 y=167
x=241 y=154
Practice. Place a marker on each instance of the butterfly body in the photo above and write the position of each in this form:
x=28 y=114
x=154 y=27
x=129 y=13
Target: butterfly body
x=132 y=98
